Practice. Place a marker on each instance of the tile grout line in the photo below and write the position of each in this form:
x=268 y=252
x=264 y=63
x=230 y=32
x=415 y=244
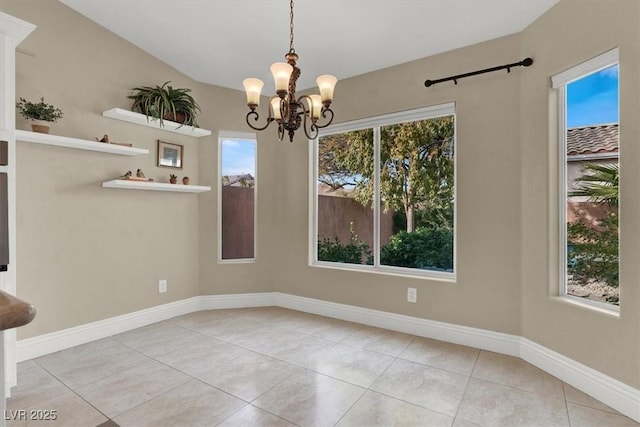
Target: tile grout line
x=205 y=336
x=566 y=405
x=335 y=343
x=368 y=389
x=466 y=387
x=72 y=391
x=395 y=358
x=126 y=369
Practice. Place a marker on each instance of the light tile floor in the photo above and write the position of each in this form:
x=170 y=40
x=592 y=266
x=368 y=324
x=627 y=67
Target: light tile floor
x=277 y=367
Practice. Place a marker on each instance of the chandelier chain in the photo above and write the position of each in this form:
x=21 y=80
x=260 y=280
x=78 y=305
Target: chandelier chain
x=291 y=49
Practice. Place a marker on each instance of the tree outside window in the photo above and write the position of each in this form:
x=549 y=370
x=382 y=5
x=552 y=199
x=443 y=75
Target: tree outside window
x=416 y=192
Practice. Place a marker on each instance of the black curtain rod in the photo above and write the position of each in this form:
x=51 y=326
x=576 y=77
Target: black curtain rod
x=524 y=63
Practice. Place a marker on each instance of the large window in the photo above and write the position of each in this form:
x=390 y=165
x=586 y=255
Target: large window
x=236 y=196
x=589 y=176
x=384 y=192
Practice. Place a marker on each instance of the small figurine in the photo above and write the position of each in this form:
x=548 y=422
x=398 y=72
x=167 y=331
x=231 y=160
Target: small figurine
x=126 y=175
x=185 y=180
x=139 y=173
x=104 y=139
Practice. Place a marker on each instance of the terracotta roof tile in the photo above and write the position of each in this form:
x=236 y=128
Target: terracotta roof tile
x=592 y=139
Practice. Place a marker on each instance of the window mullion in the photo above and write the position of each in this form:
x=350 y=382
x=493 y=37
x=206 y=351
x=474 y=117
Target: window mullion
x=562 y=189
x=376 y=197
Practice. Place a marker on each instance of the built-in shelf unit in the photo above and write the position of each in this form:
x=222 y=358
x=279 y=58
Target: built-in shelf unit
x=154 y=186
x=141 y=119
x=80 y=144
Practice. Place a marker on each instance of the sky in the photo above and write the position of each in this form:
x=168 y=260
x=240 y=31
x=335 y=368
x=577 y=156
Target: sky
x=593 y=100
x=238 y=157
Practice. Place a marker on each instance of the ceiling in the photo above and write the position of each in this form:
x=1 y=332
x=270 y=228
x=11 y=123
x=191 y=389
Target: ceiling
x=221 y=42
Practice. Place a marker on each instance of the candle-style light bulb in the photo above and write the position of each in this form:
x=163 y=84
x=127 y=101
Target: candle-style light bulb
x=316 y=106
x=275 y=107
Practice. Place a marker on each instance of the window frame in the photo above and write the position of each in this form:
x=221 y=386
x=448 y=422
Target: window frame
x=375 y=123
x=242 y=136
x=560 y=82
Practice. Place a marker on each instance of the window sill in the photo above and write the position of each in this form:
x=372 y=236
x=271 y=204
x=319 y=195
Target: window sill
x=601 y=308
x=238 y=261
x=388 y=271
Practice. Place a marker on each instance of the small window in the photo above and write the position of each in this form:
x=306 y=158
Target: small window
x=237 y=197
x=589 y=176
x=385 y=194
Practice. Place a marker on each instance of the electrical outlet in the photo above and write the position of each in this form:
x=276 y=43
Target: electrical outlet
x=412 y=294
x=162 y=286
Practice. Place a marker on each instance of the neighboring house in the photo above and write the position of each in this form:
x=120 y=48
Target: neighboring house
x=243 y=180
x=589 y=144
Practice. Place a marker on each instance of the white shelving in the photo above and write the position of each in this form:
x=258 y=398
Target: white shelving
x=141 y=119
x=154 y=186
x=80 y=144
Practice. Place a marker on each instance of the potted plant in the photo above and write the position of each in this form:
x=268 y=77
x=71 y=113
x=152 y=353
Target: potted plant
x=41 y=114
x=166 y=103
x=173 y=178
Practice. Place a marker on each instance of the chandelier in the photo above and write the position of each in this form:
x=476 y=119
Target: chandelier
x=291 y=113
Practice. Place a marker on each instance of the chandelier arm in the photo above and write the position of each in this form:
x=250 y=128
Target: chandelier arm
x=313 y=129
x=256 y=117
x=302 y=105
x=310 y=131
x=326 y=112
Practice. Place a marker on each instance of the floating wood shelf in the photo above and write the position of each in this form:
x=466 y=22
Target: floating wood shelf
x=154 y=186
x=79 y=144
x=141 y=119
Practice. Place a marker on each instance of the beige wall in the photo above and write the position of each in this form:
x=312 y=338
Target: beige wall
x=88 y=253
x=505 y=142
x=487 y=293
x=570 y=33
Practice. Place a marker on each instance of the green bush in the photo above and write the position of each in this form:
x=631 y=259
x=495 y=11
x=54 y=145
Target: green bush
x=426 y=248
x=594 y=254
x=354 y=252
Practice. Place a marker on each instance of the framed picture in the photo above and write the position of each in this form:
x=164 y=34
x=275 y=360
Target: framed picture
x=169 y=155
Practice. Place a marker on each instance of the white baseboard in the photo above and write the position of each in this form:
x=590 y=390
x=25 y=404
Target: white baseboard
x=216 y=302
x=614 y=393
x=610 y=391
x=618 y=395
x=31 y=348
x=464 y=335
